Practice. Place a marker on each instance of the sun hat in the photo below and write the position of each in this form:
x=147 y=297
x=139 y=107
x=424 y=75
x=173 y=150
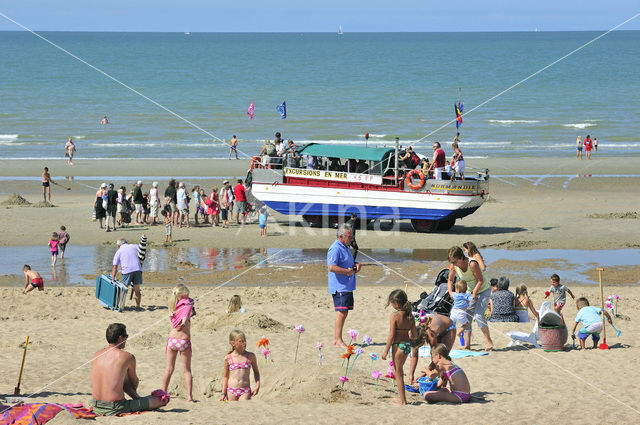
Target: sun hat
x=103 y=185
x=139 y=181
x=154 y=184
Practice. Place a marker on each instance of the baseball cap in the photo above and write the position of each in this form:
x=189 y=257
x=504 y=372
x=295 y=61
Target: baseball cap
x=139 y=181
x=225 y=182
x=103 y=185
x=155 y=184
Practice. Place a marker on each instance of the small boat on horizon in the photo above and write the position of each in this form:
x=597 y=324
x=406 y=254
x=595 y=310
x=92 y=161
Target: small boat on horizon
x=340 y=30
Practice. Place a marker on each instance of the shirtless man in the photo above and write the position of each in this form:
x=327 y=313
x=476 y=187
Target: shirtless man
x=113 y=373
x=104 y=121
x=69 y=149
x=233 y=146
x=46 y=184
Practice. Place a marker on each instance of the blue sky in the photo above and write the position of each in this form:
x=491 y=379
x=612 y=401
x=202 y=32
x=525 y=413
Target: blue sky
x=318 y=16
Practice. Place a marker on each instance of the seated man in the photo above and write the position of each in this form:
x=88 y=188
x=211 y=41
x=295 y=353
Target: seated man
x=113 y=373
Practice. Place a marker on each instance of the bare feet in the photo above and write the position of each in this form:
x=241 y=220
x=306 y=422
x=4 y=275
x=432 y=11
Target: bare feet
x=340 y=343
x=398 y=401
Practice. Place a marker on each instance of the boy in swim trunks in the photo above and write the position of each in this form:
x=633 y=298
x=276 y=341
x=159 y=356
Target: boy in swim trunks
x=46 y=184
x=591 y=319
x=34 y=277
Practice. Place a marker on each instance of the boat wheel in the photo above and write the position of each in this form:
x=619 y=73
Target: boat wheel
x=445 y=225
x=424 y=226
x=313 y=220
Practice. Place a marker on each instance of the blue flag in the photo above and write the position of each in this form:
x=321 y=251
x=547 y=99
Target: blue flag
x=282 y=110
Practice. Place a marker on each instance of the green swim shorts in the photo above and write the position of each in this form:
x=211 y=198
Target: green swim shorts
x=110 y=408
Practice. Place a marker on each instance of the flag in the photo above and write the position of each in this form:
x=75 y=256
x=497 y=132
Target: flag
x=282 y=109
x=250 y=111
x=458 y=108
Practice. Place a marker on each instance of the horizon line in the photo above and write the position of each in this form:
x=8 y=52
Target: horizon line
x=317 y=32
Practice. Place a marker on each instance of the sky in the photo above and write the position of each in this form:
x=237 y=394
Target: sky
x=318 y=15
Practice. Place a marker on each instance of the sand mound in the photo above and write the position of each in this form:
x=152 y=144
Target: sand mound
x=514 y=244
x=147 y=340
x=246 y=321
x=620 y=215
x=15 y=199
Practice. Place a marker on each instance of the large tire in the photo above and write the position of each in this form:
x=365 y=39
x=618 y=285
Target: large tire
x=313 y=220
x=445 y=225
x=424 y=226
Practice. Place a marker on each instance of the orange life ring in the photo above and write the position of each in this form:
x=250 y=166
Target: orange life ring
x=409 y=183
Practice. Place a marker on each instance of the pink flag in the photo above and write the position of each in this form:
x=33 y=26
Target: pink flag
x=250 y=111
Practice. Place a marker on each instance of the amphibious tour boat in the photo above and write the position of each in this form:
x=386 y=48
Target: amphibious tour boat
x=326 y=183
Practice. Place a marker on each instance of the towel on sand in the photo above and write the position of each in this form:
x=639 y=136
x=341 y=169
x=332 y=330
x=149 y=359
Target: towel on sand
x=183 y=309
x=454 y=354
x=40 y=413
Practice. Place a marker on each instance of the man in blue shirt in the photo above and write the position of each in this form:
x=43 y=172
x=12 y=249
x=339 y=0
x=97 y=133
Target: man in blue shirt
x=342 y=279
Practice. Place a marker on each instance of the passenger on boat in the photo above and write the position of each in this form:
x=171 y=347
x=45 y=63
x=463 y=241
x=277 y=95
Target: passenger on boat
x=438 y=162
x=291 y=157
x=335 y=164
x=351 y=166
x=361 y=167
x=311 y=162
x=410 y=159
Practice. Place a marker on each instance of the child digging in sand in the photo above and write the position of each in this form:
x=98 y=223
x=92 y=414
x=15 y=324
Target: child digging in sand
x=236 y=381
x=449 y=373
x=179 y=341
x=591 y=320
x=235 y=305
x=402 y=329
x=34 y=277
x=461 y=302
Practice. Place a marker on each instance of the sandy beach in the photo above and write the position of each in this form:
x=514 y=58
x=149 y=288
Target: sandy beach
x=534 y=203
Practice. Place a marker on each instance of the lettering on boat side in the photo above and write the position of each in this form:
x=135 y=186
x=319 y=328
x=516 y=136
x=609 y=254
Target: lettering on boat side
x=333 y=175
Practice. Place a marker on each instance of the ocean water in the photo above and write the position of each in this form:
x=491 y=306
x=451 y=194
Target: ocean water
x=337 y=88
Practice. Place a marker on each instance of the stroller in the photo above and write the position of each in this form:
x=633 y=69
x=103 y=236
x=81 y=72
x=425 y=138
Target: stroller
x=438 y=301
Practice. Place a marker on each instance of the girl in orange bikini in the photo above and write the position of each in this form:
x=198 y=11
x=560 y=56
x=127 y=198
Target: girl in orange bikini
x=179 y=341
x=236 y=381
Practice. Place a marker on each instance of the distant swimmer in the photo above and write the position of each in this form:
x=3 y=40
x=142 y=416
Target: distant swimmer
x=104 y=121
x=233 y=146
x=69 y=149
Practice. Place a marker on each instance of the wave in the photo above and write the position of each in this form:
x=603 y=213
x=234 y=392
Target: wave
x=510 y=122
x=152 y=145
x=581 y=125
x=11 y=144
x=79 y=137
x=9 y=137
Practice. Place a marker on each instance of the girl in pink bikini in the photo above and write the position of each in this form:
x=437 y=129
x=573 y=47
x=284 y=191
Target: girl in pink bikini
x=179 y=341
x=238 y=363
x=449 y=373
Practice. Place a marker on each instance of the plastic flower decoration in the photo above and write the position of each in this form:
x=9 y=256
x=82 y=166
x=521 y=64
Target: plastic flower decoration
x=366 y=340
x=349 y=353
x=300 y=329
x=376 y=375
x=343 y=379
x=353 y=334
x=264 y=342
x=319 y=347
x=390 y=374
x=265 y=353
x=374 y=357
x=357 y=353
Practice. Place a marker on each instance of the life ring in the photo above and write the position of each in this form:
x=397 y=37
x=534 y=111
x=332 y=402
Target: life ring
x=409 y=183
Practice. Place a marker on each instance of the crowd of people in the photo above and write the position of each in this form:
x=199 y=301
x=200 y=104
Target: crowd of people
x=279 y=154
x=177 y=207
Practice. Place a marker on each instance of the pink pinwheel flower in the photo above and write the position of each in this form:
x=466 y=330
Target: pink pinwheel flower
x=319 y=345
x=353 y=334
x=367 y=340
x=390 y=364
x=359 y=351
x=373 y=356
x=376 y=374
x=265 y=352
x=617 y=296
x=390 y=375
x=343 y=379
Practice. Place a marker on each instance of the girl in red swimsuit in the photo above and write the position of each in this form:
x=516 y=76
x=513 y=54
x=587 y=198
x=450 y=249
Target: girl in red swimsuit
x=238 y=363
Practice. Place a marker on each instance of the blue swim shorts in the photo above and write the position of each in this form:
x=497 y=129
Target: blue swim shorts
x=343 y=301
x=133 y=278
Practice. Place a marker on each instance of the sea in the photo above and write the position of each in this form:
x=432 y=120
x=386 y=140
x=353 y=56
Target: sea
x=179 y=95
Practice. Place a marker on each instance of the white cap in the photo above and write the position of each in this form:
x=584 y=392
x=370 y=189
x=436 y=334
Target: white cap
x=139 y=181
x=181 y=184
x=103 y=185
x=154 y=184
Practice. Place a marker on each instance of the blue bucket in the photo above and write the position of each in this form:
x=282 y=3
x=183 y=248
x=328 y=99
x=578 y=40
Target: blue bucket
x=427 y=384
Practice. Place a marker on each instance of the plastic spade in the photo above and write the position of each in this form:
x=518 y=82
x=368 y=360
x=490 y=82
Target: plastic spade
x=16 y=390
x=617 y=331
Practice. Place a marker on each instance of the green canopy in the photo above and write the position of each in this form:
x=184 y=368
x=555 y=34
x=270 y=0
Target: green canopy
x=344 y=151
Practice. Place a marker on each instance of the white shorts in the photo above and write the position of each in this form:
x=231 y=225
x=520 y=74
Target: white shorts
x=459 y=316
x=460 y=167
x=593 y=327
x=139 y=208
x=437 y=173
x=155 y=208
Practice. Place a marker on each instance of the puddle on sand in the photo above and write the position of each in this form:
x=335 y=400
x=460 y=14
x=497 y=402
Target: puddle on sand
x=83 y=261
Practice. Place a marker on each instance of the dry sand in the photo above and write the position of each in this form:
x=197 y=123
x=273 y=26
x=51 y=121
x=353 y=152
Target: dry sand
x=514 y=385
x=566 y=209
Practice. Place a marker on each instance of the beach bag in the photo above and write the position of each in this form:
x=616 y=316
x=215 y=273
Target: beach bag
x=104 y=202
x=93 y=214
